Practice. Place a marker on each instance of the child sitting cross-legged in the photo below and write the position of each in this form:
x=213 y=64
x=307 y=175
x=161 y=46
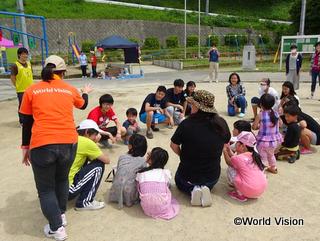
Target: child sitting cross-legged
x=153 y=187
x=245 y=171
x=123 y=189
x=289 y=150
x=131 y=124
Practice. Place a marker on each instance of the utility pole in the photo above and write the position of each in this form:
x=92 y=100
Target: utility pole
x=20 y=8
x=207 y=7
x=302 y=16
x=185 y=29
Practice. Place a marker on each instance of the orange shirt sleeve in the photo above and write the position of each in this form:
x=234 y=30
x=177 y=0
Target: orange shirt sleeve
x=26 y=105
x=78 y=101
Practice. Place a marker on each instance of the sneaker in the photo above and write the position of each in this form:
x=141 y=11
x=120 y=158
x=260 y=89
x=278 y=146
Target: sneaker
x=304 y=151
x=94 y=205
x=196 y=196
x=241 y=115
x=272 y=170
x=154 y=128
x=310 y=97
x=217 y=81
x=292 y=159
x=149 y=134
x=59 y=234
x=169 y=126
x=206 y=200
x=64 y=220
x=236 y=196
x=126 y=142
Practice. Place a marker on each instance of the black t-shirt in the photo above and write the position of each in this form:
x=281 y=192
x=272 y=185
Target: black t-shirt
x=173 y=98
x=151 y=99
x=292 y=136
x=201 y=149
x=312 y=124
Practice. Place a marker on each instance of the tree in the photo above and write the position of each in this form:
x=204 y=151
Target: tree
x=312 y=22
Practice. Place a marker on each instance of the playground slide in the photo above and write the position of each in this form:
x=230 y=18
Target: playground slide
x=76 y=50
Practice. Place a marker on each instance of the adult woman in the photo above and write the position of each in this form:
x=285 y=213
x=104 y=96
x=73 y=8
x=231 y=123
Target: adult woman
x=48 y=109
x=201 y=137
x=236 y=96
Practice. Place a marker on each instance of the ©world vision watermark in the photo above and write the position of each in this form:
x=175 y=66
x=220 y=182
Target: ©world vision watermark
x=268 y=221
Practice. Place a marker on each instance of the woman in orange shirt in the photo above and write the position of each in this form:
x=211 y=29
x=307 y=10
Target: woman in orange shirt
x=49 y=139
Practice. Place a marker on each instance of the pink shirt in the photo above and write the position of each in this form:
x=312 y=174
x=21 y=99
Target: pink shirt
x=250 y=180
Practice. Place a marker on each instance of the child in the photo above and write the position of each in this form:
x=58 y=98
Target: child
x=102 y=115
x=123 y=189
x=287 y=92
x=238 y=127
x=289 y=149
x=153 y=187
x=188 y=92
x=269 y=137
x=236 y=96
x=131 y=124
x=88 y=167
x=246 y=169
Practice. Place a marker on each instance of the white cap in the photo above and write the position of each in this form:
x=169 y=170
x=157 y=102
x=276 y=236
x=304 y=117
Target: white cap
x=90 y=124
x=57 y=61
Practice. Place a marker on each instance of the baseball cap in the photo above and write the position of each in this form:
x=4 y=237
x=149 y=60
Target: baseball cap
x=247 y=138
x=90 y=124
x=57 y=61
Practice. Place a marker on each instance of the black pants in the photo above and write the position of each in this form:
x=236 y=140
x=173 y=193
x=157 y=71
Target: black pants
x=51 y=165
x=86 y=183
x=20 y=96
x=94 y=71
x=84 y=70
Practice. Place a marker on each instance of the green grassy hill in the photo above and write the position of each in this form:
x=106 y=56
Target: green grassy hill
x=278 y=10
x=79 y=9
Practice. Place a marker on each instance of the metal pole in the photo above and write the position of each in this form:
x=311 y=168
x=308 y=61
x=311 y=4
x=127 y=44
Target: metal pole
x=207 y=7
x=302 y=16
x=199 y=10
x=23 y=23
x=280 y=65
x=185 y=29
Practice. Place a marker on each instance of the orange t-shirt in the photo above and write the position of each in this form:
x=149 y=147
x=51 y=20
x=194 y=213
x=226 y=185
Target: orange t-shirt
x=51 y=105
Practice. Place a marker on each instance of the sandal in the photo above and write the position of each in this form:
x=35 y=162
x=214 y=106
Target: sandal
x=273 y=170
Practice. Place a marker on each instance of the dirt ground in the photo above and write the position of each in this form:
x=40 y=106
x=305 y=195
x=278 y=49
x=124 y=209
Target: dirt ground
x=293 y=193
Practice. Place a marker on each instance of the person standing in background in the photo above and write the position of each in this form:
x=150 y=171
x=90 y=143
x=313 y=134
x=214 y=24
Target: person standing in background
x=83 y=64
x=93 y=60
x=293 y=66
x=315 y=68
x=21 y=75
x=213 y=55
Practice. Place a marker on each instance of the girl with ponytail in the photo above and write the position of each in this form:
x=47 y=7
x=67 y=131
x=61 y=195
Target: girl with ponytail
x=245 y=168
x=269 y=137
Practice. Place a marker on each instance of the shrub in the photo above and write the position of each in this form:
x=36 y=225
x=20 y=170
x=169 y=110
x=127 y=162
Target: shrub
x=233 y=39
x=192 y=41
x=151 y=43
x=263 y=39
x=172 y=41
x=213 y=39
x=87 y=45
x=135 y=40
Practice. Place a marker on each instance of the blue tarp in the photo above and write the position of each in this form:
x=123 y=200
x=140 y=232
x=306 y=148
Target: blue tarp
x=116 y=42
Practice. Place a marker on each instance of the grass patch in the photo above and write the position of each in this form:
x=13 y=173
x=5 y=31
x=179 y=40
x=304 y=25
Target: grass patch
x=246 y=8
x=69 y=9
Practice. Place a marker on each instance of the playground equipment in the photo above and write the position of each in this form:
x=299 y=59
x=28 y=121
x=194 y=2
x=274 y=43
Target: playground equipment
x=73 y=47
x=16 y=34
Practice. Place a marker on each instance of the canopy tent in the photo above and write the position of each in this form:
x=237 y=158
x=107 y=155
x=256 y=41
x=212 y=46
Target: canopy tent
x=7 y=43
x=131 y=49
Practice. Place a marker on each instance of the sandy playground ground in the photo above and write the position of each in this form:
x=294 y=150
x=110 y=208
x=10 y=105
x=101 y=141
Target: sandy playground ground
x=293 y=193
